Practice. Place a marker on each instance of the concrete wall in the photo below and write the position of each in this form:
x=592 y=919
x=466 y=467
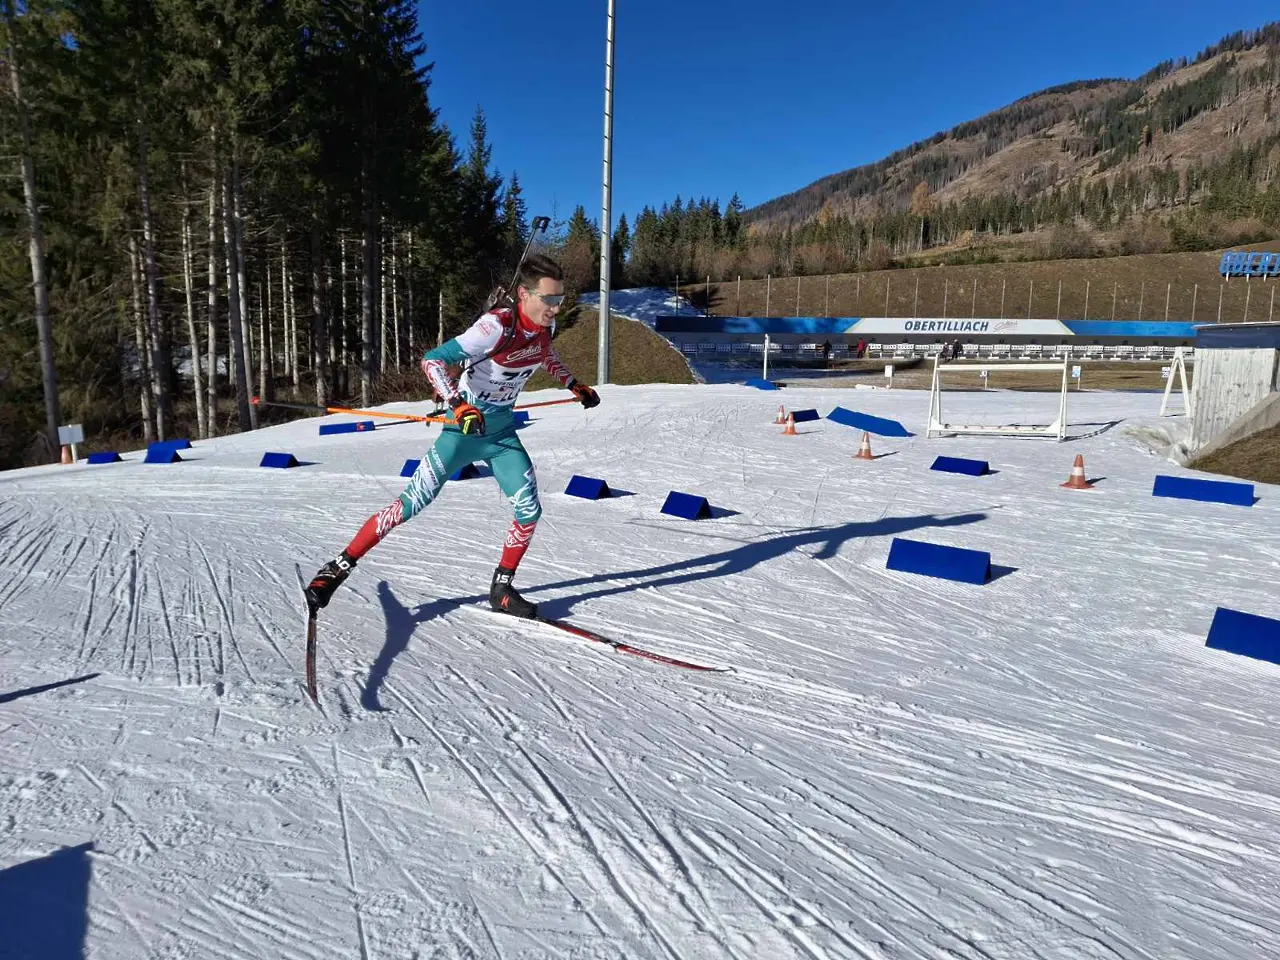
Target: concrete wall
x=1228 y=384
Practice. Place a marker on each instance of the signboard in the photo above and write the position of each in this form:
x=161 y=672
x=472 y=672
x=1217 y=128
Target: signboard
x=956 y=328
x=1249 y=263
x=1164 y=373
x=937 y=328
x=1075 y=371
x=71 y=433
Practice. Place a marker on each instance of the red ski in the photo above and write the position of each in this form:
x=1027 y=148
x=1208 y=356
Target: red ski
x=620 y=646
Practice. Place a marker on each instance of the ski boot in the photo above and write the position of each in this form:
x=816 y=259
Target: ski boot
x=327 y=579
x=504 y=598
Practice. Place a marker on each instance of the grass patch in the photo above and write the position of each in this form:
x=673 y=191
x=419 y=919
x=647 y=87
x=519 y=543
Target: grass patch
x=636 y=355
x=1256 y=458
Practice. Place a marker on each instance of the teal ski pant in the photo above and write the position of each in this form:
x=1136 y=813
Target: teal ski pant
x=503 y=452
x=505 y=455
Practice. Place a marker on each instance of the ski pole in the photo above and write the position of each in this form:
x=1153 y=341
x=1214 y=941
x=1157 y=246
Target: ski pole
x=364 y=413
x=394 y=416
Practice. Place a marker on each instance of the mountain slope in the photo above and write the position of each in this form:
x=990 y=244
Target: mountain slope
x=1175 y=117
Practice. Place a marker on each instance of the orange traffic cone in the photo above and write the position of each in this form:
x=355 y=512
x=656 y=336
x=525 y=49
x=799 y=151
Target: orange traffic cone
x=790 y=429
x=1077 y=481
x=864 y=449
x=782 y=414
x=66 y=454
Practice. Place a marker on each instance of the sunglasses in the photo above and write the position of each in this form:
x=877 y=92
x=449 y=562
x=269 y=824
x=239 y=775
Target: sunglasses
x=550 y=299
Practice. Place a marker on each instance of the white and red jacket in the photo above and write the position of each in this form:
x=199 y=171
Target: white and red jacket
x=499 y=353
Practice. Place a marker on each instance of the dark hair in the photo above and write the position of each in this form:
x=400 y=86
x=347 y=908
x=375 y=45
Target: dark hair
x=535 y=267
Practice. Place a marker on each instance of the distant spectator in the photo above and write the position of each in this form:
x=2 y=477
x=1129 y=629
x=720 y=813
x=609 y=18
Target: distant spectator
x=826 y=351
x=862 y=348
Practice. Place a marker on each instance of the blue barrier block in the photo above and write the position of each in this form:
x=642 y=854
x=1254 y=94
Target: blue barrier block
x=802 y=416
x=589 y=488
x=972 y=468
x=864 y=421
x=159 y=446
x=1210 y=491
x=280 y=460
x=521 y=416
x=359 y=426
x=686 y=506
x=935 y=560
x=1246 y=634
x=466 y=472
x=761 y=384
x=410 y=468
x=161 y=454
x=106 y=456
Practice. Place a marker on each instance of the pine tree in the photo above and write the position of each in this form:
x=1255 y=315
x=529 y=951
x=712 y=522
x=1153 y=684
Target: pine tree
x=619 y=246
x=514 y=225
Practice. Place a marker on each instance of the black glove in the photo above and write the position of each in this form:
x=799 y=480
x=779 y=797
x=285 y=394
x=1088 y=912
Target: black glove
x=469 y=419
x=586 y=396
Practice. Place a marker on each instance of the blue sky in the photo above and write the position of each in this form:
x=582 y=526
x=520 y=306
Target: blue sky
x=772 y=97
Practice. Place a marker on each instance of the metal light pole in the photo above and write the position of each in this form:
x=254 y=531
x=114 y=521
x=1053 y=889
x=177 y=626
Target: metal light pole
x=602 y=360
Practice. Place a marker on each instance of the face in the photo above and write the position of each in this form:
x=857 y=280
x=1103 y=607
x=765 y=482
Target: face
x=535 y=307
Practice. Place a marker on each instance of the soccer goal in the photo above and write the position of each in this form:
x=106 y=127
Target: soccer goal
x=938 y=426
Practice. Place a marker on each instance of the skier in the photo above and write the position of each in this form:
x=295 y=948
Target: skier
x=498 y=354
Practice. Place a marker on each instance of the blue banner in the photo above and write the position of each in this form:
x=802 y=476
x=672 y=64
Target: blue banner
x=1133 y=329
x=1239 y=336
x=1249 y=263
x=882 y=327
x=816 y=326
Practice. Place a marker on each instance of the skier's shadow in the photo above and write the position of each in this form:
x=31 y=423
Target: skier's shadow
x=402 y=621
x=742 y=558
x=401 y=624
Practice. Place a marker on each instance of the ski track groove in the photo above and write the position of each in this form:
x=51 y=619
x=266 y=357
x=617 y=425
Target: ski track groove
x=543 y=856
x=234 y=936
x=488 y=930
x=168 y=629
x=845 y=858
x=683 y=867
x=346 y=846
x=126 y=917
x=703 y=844
x=615 y=877
x=227 y=618
x=391 y=856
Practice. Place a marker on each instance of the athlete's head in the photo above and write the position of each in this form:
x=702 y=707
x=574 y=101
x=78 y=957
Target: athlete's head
x=540 y=288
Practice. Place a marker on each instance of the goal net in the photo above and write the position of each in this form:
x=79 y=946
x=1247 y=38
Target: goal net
x=941 y=424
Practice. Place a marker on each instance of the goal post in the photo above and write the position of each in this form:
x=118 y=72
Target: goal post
x=1179 y=369
x=938 y=426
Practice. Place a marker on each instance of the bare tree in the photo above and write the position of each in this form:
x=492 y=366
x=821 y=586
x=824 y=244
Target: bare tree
x=140 y=337
x=319 y=323
x=189 y=285
x=395 y=300
x=234 y=303
x=211 y=408
x=35 y=229
x=242 y=286
x=159 y=343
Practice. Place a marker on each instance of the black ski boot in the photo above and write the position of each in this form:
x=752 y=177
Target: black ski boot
x=504 y=598
x=327 y=579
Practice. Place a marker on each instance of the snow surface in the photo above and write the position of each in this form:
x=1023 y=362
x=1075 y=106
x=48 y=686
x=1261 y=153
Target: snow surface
x=1048 y=766
x=645 y=304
